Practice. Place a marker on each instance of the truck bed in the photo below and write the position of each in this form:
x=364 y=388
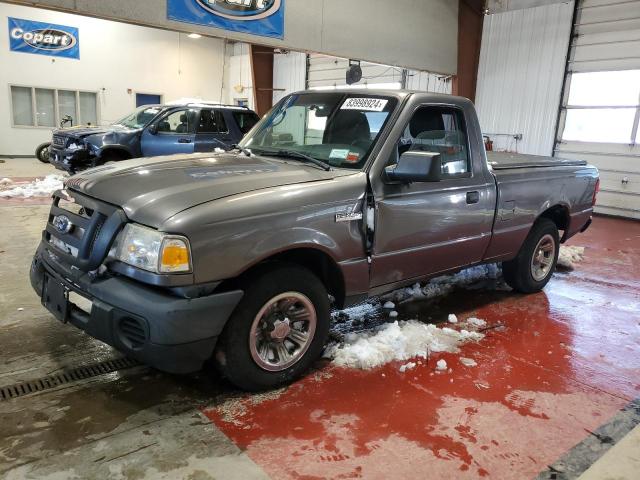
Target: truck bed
x=506 y=160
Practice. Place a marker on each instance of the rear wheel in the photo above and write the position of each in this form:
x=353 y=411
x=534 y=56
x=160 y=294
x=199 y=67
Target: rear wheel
x=531 y=270
x=277 y=331
x=42 y=152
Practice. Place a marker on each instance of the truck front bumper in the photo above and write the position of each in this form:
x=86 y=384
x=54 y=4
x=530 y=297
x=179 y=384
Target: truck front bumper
x=172 y=334
x=70 y=160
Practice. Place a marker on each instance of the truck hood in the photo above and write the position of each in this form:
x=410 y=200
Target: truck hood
x=153 y=190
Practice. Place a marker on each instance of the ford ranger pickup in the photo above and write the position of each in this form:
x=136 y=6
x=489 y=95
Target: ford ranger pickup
x=331 y=198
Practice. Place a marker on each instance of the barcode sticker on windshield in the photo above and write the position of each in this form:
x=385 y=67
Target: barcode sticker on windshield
x=365 y=104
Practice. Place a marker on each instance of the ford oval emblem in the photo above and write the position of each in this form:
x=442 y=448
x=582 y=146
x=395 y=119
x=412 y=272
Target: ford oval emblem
x=241 y=9
x=62 y=223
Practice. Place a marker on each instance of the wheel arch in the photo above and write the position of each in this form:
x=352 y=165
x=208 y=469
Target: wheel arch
x=558 y=214
x=316 y=260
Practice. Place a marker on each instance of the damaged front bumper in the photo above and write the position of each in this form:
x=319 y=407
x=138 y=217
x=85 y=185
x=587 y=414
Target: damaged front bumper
x=71 y=160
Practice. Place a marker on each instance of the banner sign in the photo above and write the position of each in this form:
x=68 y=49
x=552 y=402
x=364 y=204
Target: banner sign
x=255 y=17
x=43 y=38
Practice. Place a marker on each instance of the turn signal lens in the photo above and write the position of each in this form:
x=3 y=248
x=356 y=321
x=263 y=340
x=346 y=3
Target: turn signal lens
x=174 y=256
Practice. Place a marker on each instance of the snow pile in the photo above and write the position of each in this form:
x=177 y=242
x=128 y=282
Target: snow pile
x=5 y=181
x=476 y=322
x=397 y=341
x=443 y=285
x=468 y=362
x=441 y=365
x=570 y=256
x=452 y=318
x=38 y=188
x=407 y=366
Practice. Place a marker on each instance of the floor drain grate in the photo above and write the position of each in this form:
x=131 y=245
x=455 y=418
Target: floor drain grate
x=66 y=376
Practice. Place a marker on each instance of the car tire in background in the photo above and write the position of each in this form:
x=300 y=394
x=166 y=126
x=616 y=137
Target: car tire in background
x=42 y=152
x=278 y=329
x=530 y=271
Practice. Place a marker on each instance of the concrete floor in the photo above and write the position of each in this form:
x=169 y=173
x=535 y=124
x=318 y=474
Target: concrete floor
x=553 y=395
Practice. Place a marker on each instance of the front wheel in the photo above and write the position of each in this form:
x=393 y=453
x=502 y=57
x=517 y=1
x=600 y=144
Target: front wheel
x=531 y=270
x=277 y=331
x=42 y=152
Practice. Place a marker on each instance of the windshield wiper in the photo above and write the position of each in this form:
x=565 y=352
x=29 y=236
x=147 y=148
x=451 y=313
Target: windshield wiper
x=298 y=156
x=246 y=151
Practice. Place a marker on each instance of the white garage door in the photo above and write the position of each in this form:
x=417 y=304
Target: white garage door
x=601 y=105
x=329 y=72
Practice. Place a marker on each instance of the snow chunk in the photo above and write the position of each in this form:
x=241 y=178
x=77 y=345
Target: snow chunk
x=5 y=181
x=38 y=188
x=441 y=365
x=476 y=322
x=389 y=305
x=452 y=318
x=393 y=314
x=397 y=341
x=468 y=362
x=407 y=366
x=569 y=256
x=445 y=284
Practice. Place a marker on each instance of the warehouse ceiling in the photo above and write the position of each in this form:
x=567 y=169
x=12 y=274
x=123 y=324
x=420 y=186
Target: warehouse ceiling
x=363 y=29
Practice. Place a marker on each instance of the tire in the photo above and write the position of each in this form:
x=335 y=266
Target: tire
x=532 y=269
x=42 y=152
x=248 y=351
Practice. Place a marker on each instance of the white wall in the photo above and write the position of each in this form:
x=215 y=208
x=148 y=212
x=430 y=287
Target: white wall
x=238 y=73
x=522 y=63
x=114 y=57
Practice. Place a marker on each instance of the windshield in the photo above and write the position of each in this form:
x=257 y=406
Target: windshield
x=139 y=118
x=337 y=128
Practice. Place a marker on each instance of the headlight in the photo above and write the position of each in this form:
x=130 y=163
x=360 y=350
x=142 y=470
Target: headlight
x=151 y=250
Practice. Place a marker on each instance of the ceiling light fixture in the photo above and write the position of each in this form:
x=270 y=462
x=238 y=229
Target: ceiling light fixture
x=195 y=36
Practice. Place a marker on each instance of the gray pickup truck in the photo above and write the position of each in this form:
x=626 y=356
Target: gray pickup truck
x=332 y=197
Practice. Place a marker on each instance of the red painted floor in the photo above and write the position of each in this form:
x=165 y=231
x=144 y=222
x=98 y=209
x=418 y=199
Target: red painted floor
x=563 y=363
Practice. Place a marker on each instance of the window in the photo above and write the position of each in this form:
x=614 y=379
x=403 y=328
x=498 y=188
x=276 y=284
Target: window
x=22 y=103
x=328 y=126
x=212 y=121
x=603 y=107
x=440 y=130
x=180 y=122
x=45 y=107
x=246 y=120
x=67 y=104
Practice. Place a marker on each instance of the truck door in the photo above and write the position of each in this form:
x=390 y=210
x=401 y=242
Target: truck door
x=173 y=133
x=212 y=132
x=423 y=228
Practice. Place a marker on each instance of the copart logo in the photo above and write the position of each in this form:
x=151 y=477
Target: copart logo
x=241 y=9
x=45 y=38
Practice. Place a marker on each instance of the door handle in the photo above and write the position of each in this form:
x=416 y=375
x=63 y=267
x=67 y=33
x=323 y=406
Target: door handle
x=473 y=197
x=184 y=140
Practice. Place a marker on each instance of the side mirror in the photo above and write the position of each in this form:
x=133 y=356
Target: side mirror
x=416 y=166
x=153 y=128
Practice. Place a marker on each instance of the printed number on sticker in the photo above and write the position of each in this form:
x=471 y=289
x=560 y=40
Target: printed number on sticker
x=367 y=104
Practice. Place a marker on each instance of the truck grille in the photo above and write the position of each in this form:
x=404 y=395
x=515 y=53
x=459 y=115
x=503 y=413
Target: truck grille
x=59 y=141
x=81 y=229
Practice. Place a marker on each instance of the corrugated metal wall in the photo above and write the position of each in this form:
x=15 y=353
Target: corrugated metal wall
x=289 y=74
x=522 y=62
x=326 y=71
x=608 y=39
